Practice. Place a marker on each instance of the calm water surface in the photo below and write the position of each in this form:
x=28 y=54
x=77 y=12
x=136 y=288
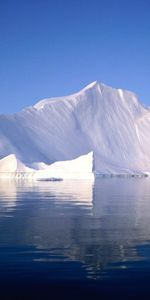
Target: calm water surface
x=75 y=239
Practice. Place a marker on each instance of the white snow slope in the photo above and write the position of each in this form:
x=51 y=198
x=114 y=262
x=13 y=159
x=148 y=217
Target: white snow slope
x=111 y=123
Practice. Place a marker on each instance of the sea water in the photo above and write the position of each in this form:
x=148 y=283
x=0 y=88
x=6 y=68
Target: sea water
x=75 y=239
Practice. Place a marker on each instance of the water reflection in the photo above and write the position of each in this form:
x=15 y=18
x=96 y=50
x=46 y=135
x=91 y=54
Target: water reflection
x=101 y=226
x=7 y=196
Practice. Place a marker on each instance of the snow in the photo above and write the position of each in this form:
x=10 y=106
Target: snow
x=11 y=164
x=111 y=123
x=79 y=168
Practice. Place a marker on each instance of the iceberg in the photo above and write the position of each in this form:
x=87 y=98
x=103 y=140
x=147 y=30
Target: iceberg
x=79 y=168
x=111 y=123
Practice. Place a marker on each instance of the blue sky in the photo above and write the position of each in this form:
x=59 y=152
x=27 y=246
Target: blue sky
x=56 y=47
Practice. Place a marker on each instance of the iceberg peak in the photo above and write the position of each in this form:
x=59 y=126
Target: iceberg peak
x=90 y=85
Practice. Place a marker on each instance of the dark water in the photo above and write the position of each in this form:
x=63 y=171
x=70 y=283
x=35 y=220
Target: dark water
x=75 y=240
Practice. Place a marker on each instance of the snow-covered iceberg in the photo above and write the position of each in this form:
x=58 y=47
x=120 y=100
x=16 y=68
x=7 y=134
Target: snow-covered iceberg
x=79 y=168
x=10 y=164
x=109 y=122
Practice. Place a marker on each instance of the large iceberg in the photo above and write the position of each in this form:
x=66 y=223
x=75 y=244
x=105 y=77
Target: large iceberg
x=111 y=123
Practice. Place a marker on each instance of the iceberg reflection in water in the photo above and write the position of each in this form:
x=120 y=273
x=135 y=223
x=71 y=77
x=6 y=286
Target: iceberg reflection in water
x=102 y=227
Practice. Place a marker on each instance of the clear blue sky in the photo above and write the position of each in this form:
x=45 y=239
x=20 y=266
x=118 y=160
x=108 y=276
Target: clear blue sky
x=56 y=47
